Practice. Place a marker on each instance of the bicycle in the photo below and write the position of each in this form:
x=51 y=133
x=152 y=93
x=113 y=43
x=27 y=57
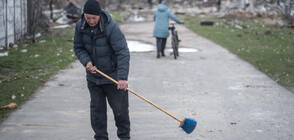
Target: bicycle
x=174 y=40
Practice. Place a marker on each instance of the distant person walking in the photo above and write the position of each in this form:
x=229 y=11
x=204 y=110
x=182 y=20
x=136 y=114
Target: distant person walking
x=150 y=4
x=160 y=1
x=99 y=43
x=218 y=3
x=160 y=31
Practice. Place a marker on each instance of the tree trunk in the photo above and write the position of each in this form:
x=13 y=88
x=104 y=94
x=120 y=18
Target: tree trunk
x=30 y=11
x=287 y=10
x=51 y=9
x=34 y=14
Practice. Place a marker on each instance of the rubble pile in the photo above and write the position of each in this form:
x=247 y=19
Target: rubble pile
x=241 y=9
x=62 y=18
x=253 y=9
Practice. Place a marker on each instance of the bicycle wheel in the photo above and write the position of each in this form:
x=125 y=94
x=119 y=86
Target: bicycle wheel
x=174 y=46
x=177 y=43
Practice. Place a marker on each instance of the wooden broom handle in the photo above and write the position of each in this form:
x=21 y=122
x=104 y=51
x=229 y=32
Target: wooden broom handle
x=139 y=96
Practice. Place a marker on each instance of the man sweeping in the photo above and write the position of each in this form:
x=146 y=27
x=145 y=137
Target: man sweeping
x=99 y=44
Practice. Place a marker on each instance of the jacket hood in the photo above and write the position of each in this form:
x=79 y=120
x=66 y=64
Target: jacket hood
x=162 y=7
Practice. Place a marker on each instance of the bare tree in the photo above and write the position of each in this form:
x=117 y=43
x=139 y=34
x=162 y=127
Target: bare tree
x=34 y=16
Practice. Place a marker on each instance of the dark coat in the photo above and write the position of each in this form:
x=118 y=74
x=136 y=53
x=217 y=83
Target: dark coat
x=105 y=46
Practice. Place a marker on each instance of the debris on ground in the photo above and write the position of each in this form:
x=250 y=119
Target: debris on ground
x=24 y=50
x=72 y=12
x=4 y=79
x=13 y=97
x=233 y=123
x=207 y=23
x=9 y=106
x=64 y=17
x=37 y=35
x=54 y=25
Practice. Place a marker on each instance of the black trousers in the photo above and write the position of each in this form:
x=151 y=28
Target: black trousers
x=119 y=103
x=160 y=43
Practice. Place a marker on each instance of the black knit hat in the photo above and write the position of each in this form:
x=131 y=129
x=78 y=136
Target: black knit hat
x=92 y=7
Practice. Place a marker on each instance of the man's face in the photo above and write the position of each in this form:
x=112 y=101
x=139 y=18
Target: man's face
x=92 y=20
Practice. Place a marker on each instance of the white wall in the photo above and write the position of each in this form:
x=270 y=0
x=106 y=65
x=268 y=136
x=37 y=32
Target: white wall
x=13 y=21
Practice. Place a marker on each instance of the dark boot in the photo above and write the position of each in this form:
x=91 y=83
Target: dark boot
x=158 y=55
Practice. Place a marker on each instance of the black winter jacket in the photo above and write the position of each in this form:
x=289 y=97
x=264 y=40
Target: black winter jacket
x=105 y=46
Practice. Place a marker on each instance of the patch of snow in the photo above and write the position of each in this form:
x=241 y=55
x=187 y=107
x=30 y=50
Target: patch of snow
x=63 y=20
x=15 y=46
x=61 y=26
x=36 y=36
x=23 y=50
x=4 y=54
x=136 y=46
x=136 y=18
x=42 y=41
x=184 y=50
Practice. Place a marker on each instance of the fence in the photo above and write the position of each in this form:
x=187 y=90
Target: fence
x=13 y=21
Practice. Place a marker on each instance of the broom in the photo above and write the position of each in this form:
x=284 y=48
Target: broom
x=188 y=124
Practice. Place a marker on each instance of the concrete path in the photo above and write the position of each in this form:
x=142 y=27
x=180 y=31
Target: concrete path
x=228 y=97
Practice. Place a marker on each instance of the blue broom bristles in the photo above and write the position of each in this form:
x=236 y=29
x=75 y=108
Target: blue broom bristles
x=189 y=125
